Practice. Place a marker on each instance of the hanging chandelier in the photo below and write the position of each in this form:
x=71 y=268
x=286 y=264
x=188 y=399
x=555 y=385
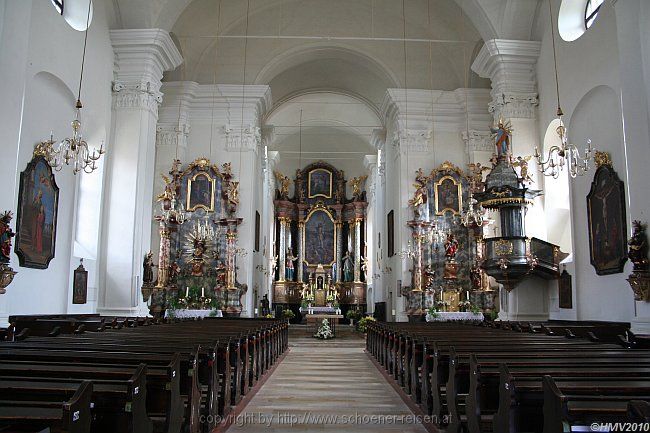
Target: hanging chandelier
x=74 y=151
x=474 y=215
x=565 y=154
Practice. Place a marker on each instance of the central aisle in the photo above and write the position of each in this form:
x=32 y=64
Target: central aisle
x=326 y=386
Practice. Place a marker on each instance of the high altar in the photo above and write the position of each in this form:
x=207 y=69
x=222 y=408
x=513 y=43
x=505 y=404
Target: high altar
x=319 y=239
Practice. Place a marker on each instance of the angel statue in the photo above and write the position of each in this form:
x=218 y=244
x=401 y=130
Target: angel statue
x=357 y=184
x=285 y=182
x=522 y=163
x=419 y=200
x=169 y=192
x=502 y=134
x=475 y=177
x=232 y=193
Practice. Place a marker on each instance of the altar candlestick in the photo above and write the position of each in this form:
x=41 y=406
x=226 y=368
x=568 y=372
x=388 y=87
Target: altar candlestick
x=203 y=292
x=187 y=291
x=467 y=293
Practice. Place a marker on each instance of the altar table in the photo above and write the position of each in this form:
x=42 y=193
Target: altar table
x=444 y=316
x=193 y=314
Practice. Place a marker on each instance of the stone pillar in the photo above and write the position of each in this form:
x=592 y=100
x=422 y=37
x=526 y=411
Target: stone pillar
x=357 y=250
x=141 y=57
x=632 y=24
x=282 y=257
x=301 y=250
x=511 y=66
x=339 y=251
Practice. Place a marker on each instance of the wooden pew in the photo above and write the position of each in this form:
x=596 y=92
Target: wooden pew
x=55 y=410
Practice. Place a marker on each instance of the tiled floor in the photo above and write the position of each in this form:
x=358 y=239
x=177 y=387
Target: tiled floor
x=326 y=386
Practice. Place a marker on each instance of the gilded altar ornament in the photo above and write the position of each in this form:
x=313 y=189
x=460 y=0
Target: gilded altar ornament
x=419 y=200
x=357 y=184
x=475 y=176
x=639 y=279
x=602 y=158
x=6 y=234
x=285 y=183
x=503 y=247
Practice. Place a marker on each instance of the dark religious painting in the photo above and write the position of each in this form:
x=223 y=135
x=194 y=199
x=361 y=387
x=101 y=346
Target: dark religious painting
x=391 y=233
x=38 y=199
x=607 y=225
x=320 y=183
x=448 y=196
x=200 y=192
x=80 y=285
x=565 y=291
x=319 y=238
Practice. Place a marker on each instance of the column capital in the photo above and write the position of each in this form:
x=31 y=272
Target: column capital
x=510 y=64
x=141 y=57
x=478 y=141
x=238 y=139
x=378 y=138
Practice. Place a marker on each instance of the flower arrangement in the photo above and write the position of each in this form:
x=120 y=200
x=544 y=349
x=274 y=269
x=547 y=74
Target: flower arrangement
x=474 y=309
x=324 y=331
x=442 y=305
x=195 y=298
x=432 y=312
x=362 y=326
x=269 y=316
x=464 y=305
x=288 y=314
x=353 y=315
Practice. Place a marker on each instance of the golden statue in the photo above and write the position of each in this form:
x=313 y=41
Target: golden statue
x=419 y=200
x=285 y=182
x=475 y=177
x=232 y=193
x=169 y=192
x=522 y=163
x=357 y=184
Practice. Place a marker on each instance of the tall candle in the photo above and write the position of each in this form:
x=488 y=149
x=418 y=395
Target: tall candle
x=203 y=292
x=187 y=291
x=467 y=292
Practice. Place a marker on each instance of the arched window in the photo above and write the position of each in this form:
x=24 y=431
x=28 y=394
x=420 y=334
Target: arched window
x=591 y=11
x=58 y=5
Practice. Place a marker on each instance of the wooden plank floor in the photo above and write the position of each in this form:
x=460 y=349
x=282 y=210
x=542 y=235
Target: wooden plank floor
x=326 y=386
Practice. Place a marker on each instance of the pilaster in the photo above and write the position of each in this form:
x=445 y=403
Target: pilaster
x=141 y=57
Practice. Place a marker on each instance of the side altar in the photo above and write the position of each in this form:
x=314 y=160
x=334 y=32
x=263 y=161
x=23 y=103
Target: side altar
x=319 y=240
x=197 y=258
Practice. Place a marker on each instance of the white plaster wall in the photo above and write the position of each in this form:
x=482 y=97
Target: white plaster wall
x=590 y=92
x=41 y=83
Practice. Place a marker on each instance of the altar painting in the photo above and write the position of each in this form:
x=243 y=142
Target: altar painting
x=448 y=196
x=320 y=183
x=319 y=238
x=200 y=192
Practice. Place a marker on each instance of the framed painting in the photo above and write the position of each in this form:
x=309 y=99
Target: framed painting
x=448 y=196
x=391 y=232
x=319 y=183
x=80 y=285
x=200 y=192
x=565 y=292
x=38 y=201
x=606 y=222
x=319 y=238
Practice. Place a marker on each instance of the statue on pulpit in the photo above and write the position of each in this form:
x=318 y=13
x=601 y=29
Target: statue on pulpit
x=502 y=134
x=290 y=270
x=348 y=268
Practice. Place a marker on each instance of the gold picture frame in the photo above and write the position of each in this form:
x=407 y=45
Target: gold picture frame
x=196 y=201
x=316 y=190
x=304 y=235
x=457 y=188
